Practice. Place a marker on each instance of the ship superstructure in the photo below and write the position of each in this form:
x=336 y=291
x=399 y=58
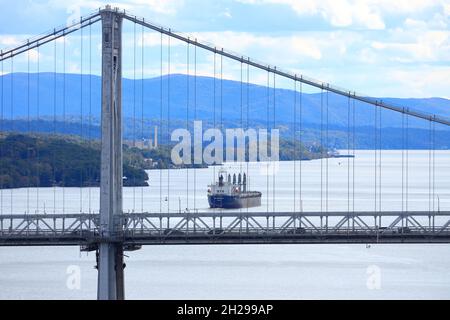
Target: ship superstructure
x=230 y=192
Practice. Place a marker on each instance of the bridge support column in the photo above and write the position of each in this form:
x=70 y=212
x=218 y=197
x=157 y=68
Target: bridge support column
x=110 y=257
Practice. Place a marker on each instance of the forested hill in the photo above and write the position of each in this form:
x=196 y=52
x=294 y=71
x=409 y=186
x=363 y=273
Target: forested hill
x=46 y=160
x=230 y=101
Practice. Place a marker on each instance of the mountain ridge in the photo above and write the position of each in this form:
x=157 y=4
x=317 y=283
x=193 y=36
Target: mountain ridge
x=313 y=105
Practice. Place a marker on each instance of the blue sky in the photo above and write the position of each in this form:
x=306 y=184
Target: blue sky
x=395 y=48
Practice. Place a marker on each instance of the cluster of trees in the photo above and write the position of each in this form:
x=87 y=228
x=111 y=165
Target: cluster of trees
x=49 y=160
x=46 y=160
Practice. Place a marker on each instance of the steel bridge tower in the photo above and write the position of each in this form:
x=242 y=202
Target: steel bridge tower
x=110 y=255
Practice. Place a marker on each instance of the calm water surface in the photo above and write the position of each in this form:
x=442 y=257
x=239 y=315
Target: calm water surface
x=249 y=271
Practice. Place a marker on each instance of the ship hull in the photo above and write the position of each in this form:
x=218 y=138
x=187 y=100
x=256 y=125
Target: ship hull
x=235 y=201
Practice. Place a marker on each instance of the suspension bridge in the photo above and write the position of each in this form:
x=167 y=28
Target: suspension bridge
x=101 y=224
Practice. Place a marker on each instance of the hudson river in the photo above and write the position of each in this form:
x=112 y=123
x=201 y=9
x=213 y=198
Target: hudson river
x=252 y=271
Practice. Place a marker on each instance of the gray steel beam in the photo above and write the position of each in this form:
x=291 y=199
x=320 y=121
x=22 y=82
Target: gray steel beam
x=110 y=258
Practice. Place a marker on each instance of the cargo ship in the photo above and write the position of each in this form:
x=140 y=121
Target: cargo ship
x=231 y=192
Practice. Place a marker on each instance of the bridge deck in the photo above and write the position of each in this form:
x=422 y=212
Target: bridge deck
x=227 y=228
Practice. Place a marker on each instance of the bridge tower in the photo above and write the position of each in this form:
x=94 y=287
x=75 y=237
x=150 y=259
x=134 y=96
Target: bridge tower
x=110 y=256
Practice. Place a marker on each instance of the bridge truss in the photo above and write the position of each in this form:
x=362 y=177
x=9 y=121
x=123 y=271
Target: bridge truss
x=227 y=228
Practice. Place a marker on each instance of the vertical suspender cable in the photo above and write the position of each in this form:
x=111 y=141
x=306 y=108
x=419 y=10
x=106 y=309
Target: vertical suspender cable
x=354 y=155
x=295 y=145
x=161 y=121
x=242 y=121
x=221 y=104
x=434 y=165
x=380 y=160
x=81 y=115
x=37 y=119
x=142 y=108
x=403 y=162
x=63 y=172
x=247 y=126
x=321 y=150
x=375 y=157
x=268 y=125
x=12 y=128
x=326 y=160
x=168 y=120
x=348 y=153
x=407 y=164
x=134 y=110
x=90 y=179
x=54 y=126
x=134 y=103
x=195 y=118
x=430 y=144
x=29 y=133
x=3 y=136
x=271 y=149
x=221 y=95
x=187 y=120
x=241 y=106
x=214 y=104
x=301 y=144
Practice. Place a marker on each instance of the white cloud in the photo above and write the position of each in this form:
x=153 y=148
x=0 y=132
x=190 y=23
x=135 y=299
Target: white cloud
x=433 y=45
x=447 y=9
x=34 y=55
x=169 y=7
x=243 y=42
x=10 y=41
x=344 y=13
x=227 y=13
x=421 y=81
